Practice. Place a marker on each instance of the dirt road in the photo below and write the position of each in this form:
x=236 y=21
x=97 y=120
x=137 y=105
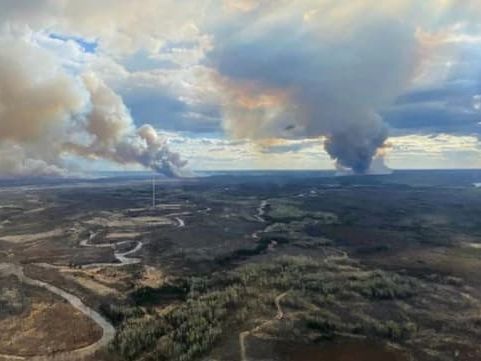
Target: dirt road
x=242 y=336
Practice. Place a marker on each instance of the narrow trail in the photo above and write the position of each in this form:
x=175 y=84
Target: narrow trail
x=242 y=336
x=108 y=330
x=122 y=256
x=338 y=255
x=277 y=301
x=261 y=211
x=180 y=222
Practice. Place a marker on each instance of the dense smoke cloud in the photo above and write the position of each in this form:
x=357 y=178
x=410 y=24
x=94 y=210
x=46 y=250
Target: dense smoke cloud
x=35 y=93
x=46 y=113
x=37 y=101
x=304 y=77
x=341 y=72
x=113 y=135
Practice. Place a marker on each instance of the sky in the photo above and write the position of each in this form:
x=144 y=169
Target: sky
x=183 y=85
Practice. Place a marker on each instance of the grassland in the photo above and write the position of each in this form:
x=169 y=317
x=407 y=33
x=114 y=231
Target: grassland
x=33 y=322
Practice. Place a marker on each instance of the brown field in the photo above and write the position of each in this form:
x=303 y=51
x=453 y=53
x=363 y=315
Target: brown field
x=46 y=324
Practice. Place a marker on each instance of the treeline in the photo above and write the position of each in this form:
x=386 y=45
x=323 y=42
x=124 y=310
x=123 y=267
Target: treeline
x=213 y=305
x=327 y=328
x=184 y=333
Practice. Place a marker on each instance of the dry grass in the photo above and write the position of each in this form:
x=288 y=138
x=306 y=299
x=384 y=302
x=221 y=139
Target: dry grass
x=48 y=325
x=152 y=277
x=30 y=237
x=116 y=221
x=89 y=282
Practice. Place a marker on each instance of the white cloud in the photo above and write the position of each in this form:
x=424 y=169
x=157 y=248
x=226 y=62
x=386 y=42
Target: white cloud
x=440 y=151
x=158 y=56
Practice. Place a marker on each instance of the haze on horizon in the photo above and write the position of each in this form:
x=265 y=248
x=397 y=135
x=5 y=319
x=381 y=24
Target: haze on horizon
x=238 y=84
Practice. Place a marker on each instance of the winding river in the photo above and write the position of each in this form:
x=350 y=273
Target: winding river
x=108 y=330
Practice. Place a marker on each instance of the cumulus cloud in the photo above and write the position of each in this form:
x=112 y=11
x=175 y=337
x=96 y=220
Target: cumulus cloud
x=182 y=97
x=435 y=151
x=281 y=146
x=445 y=96
x=121 y=26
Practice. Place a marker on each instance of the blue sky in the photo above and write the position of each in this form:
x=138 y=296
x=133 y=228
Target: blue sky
x=87 y=46
x=240 y=84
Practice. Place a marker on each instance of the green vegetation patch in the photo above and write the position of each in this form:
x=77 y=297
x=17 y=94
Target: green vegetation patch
x=220 y=303
x=286 y=211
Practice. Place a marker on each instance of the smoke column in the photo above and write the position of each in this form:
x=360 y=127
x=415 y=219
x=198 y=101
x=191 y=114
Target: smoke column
x=47 y=113
x=325 y=72
x=113 y=135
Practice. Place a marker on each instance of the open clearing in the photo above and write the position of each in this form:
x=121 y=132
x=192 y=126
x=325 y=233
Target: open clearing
x=31 y=237
x=38 y=326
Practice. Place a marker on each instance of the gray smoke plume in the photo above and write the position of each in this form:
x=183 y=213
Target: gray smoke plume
x=357 y=145
x=286 y=74
x=112 y=134
x=47 y=113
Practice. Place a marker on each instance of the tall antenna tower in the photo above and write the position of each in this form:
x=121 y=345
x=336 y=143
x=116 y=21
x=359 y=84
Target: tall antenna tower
x=153 y=190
